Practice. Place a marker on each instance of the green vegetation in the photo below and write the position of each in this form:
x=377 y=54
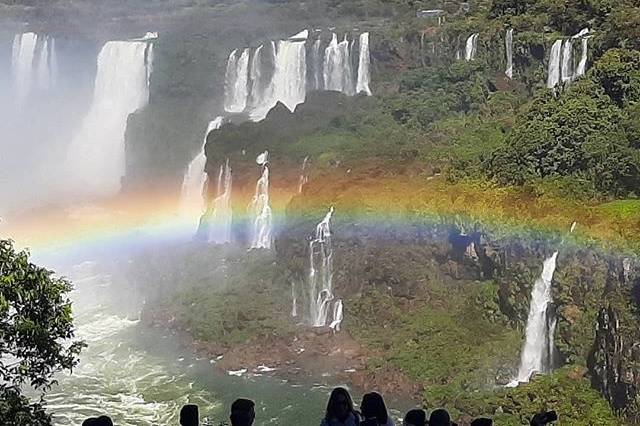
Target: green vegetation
x=36 y=331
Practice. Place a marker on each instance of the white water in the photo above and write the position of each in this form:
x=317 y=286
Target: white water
x=22 y=65
x=192 y=195
x=567 y=61
x=554 y=65
x=96 y=158
x=364 y=62
x=260 y=209
x=302 y=181
x=236 y=82
x=290 y=75
x=337 y=72
x=471 y=48
x=219 y=216
x=509 y=49
x=47 y=63
x=321 y=275
x=582 y=65
x=537 y=352
x=316 y=59
x=338 y=315
x=294 y=301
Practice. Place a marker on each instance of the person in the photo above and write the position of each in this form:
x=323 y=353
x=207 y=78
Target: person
x=340 y=411
x=243 y=412
x=91 y=421
x=374 y=410
x=440 y=417
x=416 y=417
x=482 y=421
x=189 y=415
x=98 y=421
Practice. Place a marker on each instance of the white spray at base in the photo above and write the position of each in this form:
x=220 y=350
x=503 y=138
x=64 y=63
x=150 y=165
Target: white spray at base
x=192 y=195
x=538 y=350
x=96 y=157
x=260 y=209
x=321 y=296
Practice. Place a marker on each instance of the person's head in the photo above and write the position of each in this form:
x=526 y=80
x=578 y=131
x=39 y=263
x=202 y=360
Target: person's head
x=439 y=417
x=189 y=415
x=482 y=421
x=339 y=405
x=91 y=421
x=373 y=407
x=242 y=412
x=415 y=417
x=103 y=421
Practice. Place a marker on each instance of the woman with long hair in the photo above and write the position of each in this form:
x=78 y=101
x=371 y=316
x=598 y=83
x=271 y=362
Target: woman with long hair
x=374 y=411
x=340 y=411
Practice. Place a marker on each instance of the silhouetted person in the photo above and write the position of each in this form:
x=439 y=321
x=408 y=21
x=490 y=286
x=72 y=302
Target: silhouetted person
x=340 y=410
x=482 y=421
x=189 y=415
x=543 y=419
x=374 y=410
x=243 y=412
x=440 y=417
x=415 y=417
x=91 y=421
x=103 y=421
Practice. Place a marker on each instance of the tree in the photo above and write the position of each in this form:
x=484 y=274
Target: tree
x=37 y=333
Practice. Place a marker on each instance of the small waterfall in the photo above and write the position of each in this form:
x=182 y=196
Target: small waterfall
x=537 y=353
x=582 y=65
x=97 y=152
x=321 y=275
x=553 y=78
x=22 y=61
x=471 y=47
x=363 y=66
x=237 y=82
x=192 y=195
x=316 y=59
x=337 y=72
x=509 y=48
x=303 y=175
x=215 y=225
x=338 y=316
x=47 y=63
x=255 y=76
x=567 y=61
x=260 y=208
x=294 y=301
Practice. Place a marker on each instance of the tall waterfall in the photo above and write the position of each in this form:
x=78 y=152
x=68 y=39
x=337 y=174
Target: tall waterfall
x=260 y=209
x=302 y=181
x=22 y=64
x=363 y=66
x=316 y=59
x=215 y=225
x=192 y=196
x=97 y=153
x=236 y=82
x=337 y=71
x=471 y=47
x=290 y=76
x=509 y=50
x=537 y=353
x=554 y=64
x=582 y=65
x=321 y=276
x=567 y=61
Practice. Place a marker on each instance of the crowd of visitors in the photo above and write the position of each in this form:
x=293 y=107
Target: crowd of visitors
x=340 y=412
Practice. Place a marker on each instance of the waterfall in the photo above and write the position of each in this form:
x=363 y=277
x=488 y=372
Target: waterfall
x=303 y=175
x=215 y=225
x=255 y=76
x=236 y=90
x=316 y=60
x=22 y=61
x=333 y=66
x=260 y=208
x=554 y=64
x=582 y=65
x=363 y=66
x=509 y=47
x=567 y=61
x=321 y=276
x=192 y=195
x=471 y=47
x=537 y=353
x=46 y=64
x=97 y=152
x=294 y=301
x=290 y=76
x=338 y=315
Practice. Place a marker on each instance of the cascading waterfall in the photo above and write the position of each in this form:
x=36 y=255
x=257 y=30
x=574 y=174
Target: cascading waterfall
x=294 y=301
x=290 y=76
x=537 y=353
x=22 y=61
x=553 y=78
x=582 y=65
x=47 y=64
x=316 y=59
x=215 y=225
x=97 y=153
x=567 y=61
x=337 y=72
x=303 y=175
x=364 y=61
x=338 y=315
x=237 y=82
x=321 y=277
x=509 y=49
x=260 y=208
x=192 y=195
x=471 y=47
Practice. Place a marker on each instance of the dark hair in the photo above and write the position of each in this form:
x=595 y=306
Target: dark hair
x=373 y=406
x=104 y=421
x=439 y=417
x=482 y=421
x=332 y=404
x=189 y=415
x=91 y=421
x=242 y=412
x=416 y=417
